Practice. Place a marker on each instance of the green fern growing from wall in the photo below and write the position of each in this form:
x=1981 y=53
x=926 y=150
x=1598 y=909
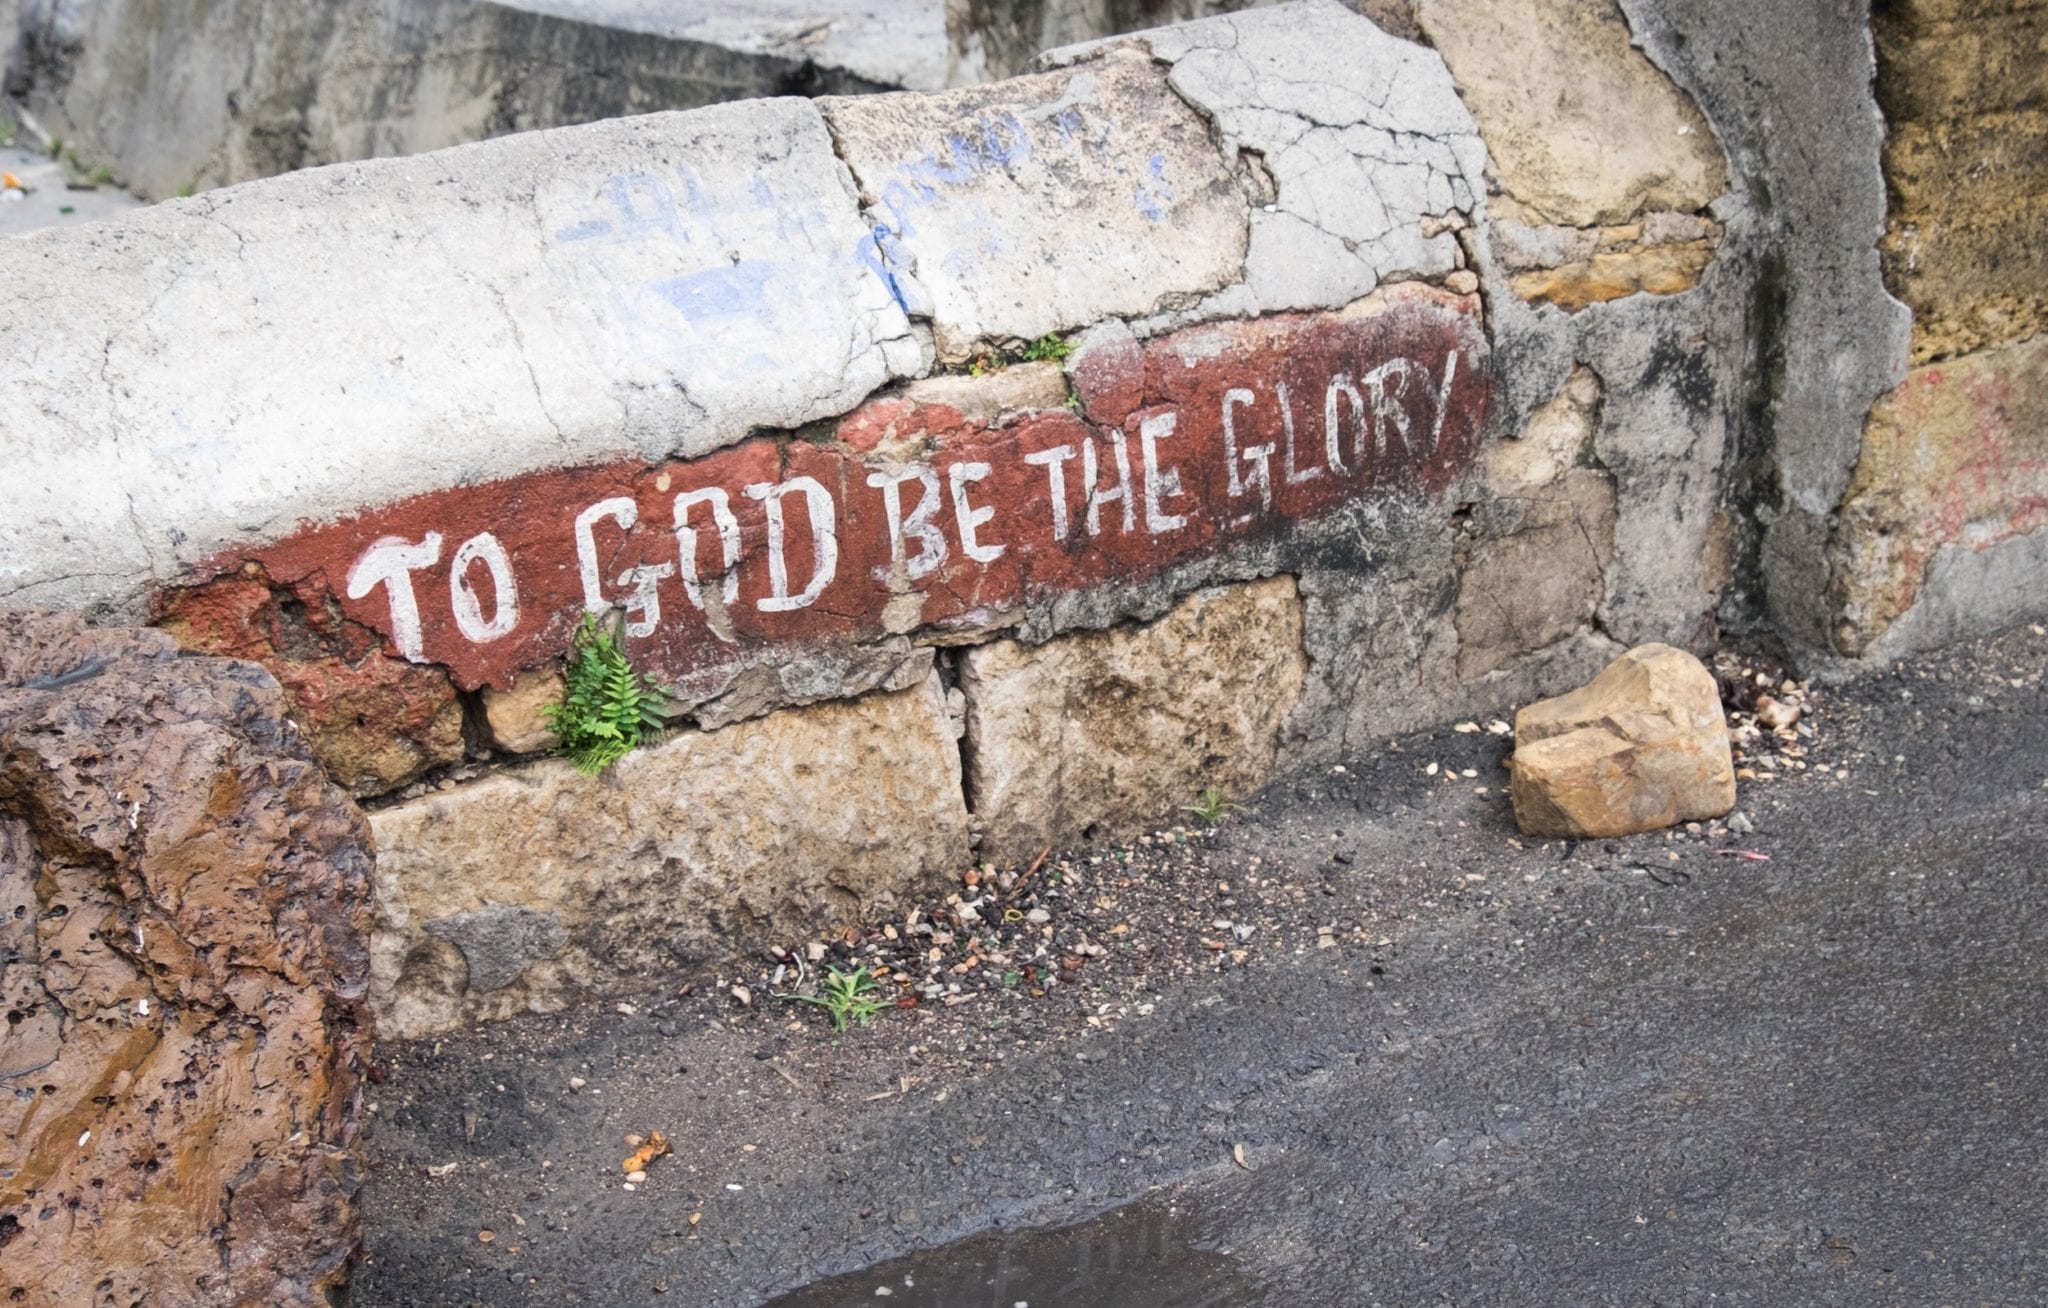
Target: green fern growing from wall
x=608 y=709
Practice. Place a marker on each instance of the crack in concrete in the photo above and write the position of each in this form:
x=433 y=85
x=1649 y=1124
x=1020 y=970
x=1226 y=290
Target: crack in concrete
x=1255 y=106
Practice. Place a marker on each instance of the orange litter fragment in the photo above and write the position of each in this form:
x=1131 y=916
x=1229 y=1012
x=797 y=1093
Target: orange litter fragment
x=10 y=182
x=656 y=1146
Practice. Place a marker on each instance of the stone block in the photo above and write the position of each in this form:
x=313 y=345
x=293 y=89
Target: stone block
x=1093 y=736
x=1954 y=459
x=538 y=885
x=1584 y=130
x=993 y=396
x=1643 y=746
x=1557 y=437
x=184 y=901
x=1543 y=575
x=517 y=719
x=1610 y=274
x=1043 y=203
x=1962 y=85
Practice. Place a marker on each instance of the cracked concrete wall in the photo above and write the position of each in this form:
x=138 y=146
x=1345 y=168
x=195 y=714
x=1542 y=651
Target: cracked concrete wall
x=178 y=95
x=1801 y=336
x=837 y=406
x=992 y=39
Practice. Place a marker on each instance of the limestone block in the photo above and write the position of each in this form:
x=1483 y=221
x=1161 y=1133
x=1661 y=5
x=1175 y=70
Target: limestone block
x=517 y=718
x=1553 y=440
x=1044 y=203
x=536 y=885
x=1092 y=736
x=1954 y=459
x=1612 y=274
x=1644 y=745
x=1019 y=388
x=1541 y=580
x=183 y=906
x=1582 y=127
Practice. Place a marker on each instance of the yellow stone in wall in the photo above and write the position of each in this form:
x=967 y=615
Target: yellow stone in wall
x=1964 y=89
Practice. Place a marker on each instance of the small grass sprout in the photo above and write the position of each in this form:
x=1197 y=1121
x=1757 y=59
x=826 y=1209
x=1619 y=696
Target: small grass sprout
x=845 y=996
x=1212 y=806
x=608 y=709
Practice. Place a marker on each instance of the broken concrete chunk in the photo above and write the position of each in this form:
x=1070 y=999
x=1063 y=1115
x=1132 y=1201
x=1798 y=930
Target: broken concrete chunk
x=1641 y=747
x=1361 y=136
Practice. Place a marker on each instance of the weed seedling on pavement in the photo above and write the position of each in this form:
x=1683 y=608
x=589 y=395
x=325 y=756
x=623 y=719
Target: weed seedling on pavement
x=845 y=995
x=1212 y=806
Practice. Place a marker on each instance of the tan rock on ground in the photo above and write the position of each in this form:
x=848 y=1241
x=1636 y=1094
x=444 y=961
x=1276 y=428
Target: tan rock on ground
x=183 y=900
x=1643 y=746
x=1093 y=736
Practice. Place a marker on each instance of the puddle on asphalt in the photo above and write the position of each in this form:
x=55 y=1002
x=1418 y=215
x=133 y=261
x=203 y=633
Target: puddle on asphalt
x=1147 y=1254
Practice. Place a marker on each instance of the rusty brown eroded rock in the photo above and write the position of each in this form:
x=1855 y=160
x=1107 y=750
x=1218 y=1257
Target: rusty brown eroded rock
x=1643 y=745
x=372 y=721
x=183 y=898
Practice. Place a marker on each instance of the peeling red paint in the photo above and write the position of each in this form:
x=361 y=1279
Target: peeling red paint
x=1110 y=379
x=1199 y=441
x=373 y=722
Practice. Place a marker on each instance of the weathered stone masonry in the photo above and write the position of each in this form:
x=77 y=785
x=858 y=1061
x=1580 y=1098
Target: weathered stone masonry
x=734 y=375
x=1401 y=379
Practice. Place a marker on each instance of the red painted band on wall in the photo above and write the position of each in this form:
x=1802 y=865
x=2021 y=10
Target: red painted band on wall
x=911 y=516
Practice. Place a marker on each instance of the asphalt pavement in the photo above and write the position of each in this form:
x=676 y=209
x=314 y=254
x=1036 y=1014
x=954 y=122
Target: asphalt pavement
x=1799 y=1064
